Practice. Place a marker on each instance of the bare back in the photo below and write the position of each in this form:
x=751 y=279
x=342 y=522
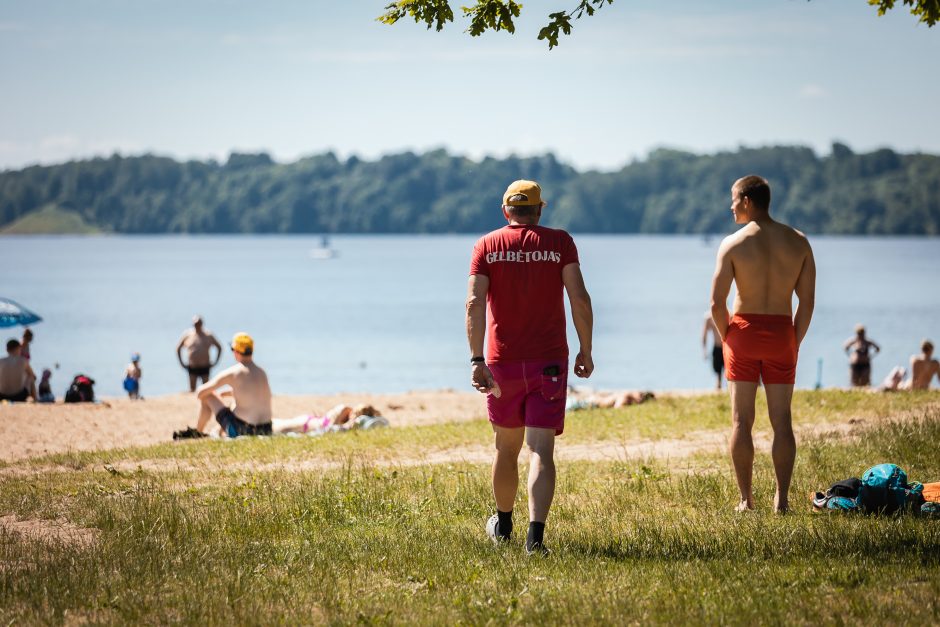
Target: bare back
x=923 y=370
x=767 y=261
x=252 y=393
x=14 y=371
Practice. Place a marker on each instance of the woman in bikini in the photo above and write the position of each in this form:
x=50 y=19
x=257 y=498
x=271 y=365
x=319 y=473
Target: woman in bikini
x=858 y=348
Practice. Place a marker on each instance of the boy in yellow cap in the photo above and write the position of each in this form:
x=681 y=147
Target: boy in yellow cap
x=251 y=412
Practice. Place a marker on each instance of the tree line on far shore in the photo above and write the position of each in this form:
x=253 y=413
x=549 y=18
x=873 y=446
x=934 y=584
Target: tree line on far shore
x=671 y=191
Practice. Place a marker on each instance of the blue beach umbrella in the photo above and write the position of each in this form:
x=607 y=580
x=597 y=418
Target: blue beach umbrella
x=13 y=314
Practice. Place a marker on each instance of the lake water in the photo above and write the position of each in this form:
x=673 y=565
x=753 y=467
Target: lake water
x=387 y=315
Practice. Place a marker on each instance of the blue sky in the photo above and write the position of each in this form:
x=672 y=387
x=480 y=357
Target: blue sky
x=200 y=78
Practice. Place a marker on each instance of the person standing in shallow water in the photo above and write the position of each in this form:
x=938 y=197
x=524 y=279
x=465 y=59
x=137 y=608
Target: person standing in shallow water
x=518 y=277
x=198 y=344
x=858 y=348
x=768 y=262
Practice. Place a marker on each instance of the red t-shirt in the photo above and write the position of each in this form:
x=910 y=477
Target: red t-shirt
x=525 y=314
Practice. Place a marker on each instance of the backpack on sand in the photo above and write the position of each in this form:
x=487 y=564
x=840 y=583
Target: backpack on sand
x=82 y=390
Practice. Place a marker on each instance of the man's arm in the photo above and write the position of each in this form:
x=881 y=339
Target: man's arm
x=721 y=287
x=480 y=378
x=179 y=350
x=218 y=348
x=223 y=378
x=806 y=293
x=31 y=381
x=583 y=316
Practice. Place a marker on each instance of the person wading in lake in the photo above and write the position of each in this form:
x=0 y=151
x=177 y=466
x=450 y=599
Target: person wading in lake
x=768 y=262
x=198 y=344
x=251 y=413
x=518 y=276
x=858 y=348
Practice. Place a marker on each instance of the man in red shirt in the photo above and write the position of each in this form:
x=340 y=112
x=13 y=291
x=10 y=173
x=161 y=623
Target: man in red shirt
x=518 y=275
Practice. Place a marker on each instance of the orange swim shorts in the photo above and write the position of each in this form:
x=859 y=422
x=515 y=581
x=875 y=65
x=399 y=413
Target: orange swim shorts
x=760 y=347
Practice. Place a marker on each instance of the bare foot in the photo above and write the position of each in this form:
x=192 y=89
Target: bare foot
x=781 y=505
x=744 y=506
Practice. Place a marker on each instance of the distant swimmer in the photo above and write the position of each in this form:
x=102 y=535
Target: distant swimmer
x=768 y=262
x=251 y=412
x=718 y=359
x=924 y=367
x=198 y=343
x=518 y=278
x=859 y=348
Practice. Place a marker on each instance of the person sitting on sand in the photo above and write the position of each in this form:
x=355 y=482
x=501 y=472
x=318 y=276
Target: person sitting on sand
x=251 y=413
x=923 y=368
x=15 y=375
x=45 y=388
x=198 y=344
x=132 y=375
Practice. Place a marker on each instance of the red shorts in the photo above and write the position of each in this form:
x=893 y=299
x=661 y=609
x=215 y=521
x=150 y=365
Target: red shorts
x=529 y=398
x=760 y=347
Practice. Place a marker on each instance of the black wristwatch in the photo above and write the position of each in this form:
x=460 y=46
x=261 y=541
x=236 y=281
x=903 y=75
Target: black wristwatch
x=477 y=360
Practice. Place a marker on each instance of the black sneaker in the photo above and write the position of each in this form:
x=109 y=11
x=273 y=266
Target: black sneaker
x=189 y=433
x=494 y=537
x=538 y=549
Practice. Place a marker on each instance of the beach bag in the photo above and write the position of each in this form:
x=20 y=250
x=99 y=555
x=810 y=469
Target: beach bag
x=82 y=390
x=840 y=496
x=885 y=490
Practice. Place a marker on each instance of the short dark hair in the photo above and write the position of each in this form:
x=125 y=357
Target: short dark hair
x=13 y=345
x=757 y=189
x=521 y=211
x=927 y=346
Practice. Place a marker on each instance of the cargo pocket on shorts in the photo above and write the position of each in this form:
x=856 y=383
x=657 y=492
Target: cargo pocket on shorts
x=553 y=386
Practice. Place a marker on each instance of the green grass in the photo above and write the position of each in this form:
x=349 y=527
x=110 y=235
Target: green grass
x=634 y=541
x=659 y=419
x=50 y=219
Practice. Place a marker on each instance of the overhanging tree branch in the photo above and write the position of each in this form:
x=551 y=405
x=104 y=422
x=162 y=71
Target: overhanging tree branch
x=499 y=15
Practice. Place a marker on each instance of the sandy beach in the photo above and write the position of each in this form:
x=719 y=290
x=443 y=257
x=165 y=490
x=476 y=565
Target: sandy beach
x=29 y=430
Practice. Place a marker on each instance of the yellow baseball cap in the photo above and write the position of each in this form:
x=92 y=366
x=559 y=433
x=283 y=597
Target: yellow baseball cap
x=242 y=343
x=529 y=189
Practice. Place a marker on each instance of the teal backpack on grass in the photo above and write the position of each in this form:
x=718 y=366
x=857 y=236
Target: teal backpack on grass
x=885 y=490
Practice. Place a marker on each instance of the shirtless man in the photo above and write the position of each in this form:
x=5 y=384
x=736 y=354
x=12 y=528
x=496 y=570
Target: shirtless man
x=718 y=360
x=768 y=262
x=251 y=414
x=15 y=375
x=924 y=367
x=198 y=343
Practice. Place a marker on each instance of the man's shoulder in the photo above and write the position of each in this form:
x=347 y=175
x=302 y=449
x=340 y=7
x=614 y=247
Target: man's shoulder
x=233 y=371
x=494 y=234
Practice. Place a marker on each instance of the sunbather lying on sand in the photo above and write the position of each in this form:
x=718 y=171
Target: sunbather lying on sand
x=340 y=417
x=608 y=400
